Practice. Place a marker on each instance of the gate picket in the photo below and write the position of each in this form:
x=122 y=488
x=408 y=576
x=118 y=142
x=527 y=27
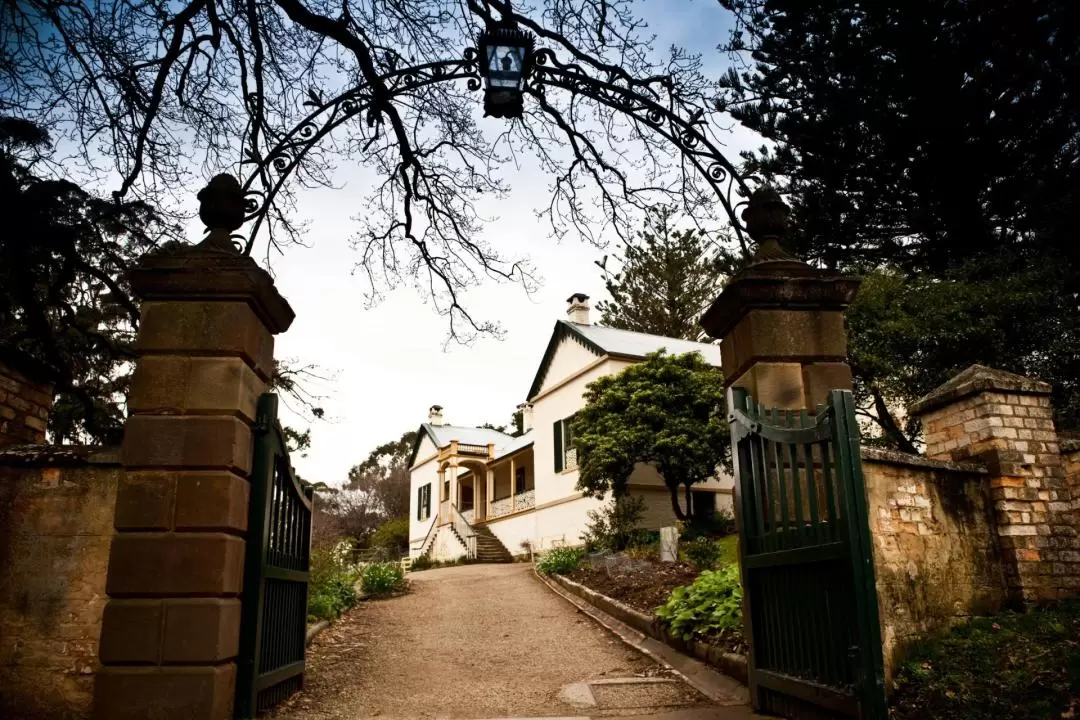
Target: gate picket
x=804 y=543
x=270 y=665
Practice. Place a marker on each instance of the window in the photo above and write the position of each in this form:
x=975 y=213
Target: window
x=704 y=504
x=519 y=481
x=565 y=452
x=423 y=502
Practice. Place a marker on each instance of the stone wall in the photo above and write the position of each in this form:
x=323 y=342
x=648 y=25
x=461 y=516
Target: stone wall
x=24 y=408
x=56 y=526
x=936 y=558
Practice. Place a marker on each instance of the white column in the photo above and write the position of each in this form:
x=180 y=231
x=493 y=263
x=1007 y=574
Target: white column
x=513 y=485
x=490 y=491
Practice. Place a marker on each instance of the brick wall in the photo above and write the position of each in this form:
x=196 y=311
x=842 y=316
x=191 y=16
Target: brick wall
x=1005 y=421
x=56 y=526
x=936 y=559
x=24 y=408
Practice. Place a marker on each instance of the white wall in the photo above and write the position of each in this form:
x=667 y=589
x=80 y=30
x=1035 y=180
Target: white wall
x=557 y=405
x=570 y=356
x=446 y=546
x=545 y=528
x=426 y=471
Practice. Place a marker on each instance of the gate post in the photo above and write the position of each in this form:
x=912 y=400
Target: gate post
x=171 y=626
x=781 y=321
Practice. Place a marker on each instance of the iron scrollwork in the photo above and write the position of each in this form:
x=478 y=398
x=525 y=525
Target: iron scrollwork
x=273 y=167
x=651 y=101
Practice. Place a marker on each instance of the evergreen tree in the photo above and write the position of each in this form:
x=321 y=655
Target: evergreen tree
x=667 y=279
x=934 y=146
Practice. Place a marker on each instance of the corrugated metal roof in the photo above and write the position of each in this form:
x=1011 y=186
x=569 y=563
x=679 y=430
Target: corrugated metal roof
x=515 y=444
x=445 y=434
x=636 y=344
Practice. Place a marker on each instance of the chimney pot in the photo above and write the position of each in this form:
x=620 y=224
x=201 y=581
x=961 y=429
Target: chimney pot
x=526 y=410
x=577 y=310
x=435 y=416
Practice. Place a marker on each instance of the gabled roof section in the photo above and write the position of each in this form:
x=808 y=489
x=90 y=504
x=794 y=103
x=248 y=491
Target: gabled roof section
x=619 y=343
x=443 y=435
x=563 y=329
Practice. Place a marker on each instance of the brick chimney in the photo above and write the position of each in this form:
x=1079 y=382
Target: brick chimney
x=577 y=310
x=435 y=416
x=24 y=408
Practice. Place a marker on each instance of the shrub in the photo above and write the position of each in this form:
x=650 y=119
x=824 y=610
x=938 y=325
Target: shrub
x=384 y=578
x=393 y=535
x=719 y=524
x=703 y=553
x=711 y=608
x=1021 y=666
x=559 y=561
x=423 y=562
x=331 y=582
x=614 y=527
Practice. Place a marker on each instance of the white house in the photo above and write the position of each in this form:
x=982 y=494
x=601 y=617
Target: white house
x=482 y=493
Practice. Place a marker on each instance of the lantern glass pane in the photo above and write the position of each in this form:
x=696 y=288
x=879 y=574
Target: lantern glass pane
x=504 y=65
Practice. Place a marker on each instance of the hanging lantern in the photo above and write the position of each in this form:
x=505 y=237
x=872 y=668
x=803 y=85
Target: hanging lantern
x=506 y=57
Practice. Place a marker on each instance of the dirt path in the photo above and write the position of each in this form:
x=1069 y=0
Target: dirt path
x=476 y=641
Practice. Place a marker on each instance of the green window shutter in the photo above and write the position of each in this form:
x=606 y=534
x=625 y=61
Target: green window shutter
x=559 y=458
x=419 y=503
x=427 y=500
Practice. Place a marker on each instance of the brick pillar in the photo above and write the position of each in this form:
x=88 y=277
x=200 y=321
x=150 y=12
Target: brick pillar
x=24 y=408
x=1005 y=421
x=171 y=626
x=781 y=321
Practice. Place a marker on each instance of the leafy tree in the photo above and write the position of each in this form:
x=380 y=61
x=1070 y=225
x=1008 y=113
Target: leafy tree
x=667 y=411
x=667 y=279
x=392 y=535
x=67 y=316
x=935 y=145
x=383 y=478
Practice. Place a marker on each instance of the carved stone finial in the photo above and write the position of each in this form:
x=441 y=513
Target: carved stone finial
x=222 y=210
x=766 y=217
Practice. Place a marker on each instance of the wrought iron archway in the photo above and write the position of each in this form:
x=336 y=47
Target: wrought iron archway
x=651 y=101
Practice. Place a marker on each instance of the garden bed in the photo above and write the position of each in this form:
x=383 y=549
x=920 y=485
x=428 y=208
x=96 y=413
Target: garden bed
x=642 y=584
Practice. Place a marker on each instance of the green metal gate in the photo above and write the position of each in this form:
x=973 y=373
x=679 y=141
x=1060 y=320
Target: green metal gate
x=273 y=627
x=807 y=564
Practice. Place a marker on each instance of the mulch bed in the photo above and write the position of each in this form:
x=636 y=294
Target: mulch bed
x=643 y=586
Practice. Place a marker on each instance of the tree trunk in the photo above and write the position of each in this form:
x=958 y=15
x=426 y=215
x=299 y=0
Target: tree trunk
x=674 y=492
x=689 y=504
x=889 y=425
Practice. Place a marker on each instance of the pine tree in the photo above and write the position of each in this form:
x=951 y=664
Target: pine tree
x=667 y=279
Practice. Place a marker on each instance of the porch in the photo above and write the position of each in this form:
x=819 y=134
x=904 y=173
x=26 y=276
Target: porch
x=485 y=488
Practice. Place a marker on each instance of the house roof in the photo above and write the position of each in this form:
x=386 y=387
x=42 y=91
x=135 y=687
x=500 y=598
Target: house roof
x=519 y=443
x=621 y=343
x=443 y=435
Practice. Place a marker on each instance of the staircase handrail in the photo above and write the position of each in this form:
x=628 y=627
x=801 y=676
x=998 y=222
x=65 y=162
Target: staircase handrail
x=464 y=530
x=424 y=546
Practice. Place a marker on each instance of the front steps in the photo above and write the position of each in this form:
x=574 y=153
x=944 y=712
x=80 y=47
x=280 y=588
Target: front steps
x=489 y=549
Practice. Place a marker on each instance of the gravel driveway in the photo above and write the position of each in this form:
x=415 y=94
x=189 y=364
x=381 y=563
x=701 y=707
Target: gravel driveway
x=476 y=641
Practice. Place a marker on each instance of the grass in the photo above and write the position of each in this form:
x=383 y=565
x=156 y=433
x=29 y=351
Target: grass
x=1023 y=666
x=729 y=550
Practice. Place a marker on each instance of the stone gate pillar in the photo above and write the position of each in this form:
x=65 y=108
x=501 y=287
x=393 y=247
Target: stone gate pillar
x=781 y=321
x=171 y=626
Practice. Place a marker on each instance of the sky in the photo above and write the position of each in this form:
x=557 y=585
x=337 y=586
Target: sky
x=388 y=364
